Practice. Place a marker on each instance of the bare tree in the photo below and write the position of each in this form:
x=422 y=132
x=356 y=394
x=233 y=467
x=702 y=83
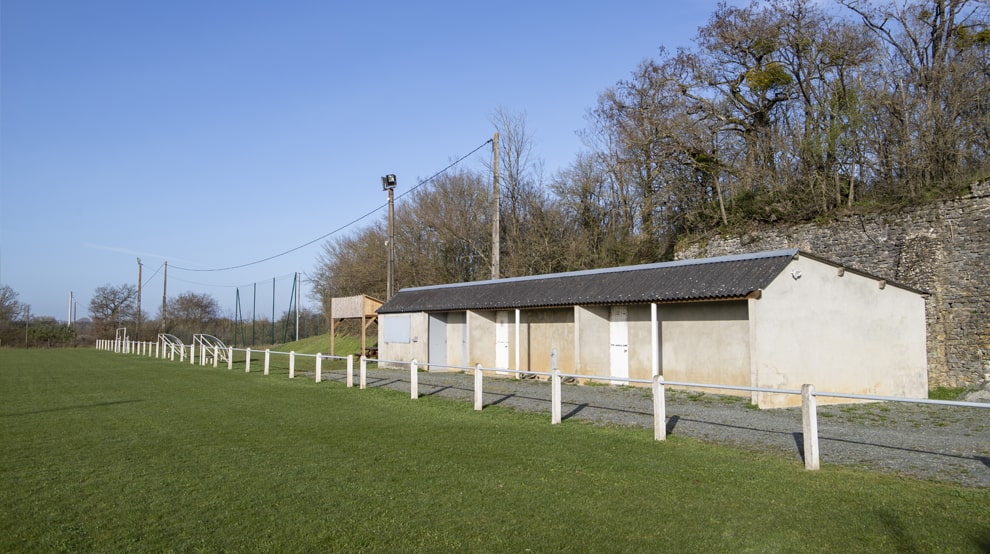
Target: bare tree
x=112 y=307
x=190 y=313
x=936 y=70
x=9 y=306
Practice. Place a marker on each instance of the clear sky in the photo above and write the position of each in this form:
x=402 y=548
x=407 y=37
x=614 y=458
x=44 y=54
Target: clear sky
x=216 y=133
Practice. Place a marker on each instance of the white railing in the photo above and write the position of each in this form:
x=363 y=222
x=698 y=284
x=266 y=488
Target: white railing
x=809 y=404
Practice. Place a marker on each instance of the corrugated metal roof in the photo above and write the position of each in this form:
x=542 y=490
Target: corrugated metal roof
x=720 y=278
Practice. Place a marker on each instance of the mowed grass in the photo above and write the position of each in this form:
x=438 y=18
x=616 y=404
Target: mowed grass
x=114 y=453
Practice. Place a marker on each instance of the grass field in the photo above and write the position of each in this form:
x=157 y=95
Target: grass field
x=111 y=453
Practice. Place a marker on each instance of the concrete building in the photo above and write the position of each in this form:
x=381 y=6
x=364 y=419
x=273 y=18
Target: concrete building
x=771 y=320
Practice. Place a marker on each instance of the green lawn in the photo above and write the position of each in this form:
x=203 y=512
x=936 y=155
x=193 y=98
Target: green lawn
x=101 y=452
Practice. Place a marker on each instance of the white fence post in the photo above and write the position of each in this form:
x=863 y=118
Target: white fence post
x=350 y=370
x=809 y=424
x=479 y=376
x=292 y=364
x=216 y=355
x=554 y=388
x=192 y=353
x=659 y=409
x=363 y=379
x=230 y=357
x=268 y=359
x=319 y=367
x=413 y=380
x=247 y=360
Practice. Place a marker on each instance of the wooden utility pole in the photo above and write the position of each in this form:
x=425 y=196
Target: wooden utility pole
x=164 y=291
x=388 y=183
x=496 y=232
x=137 y=333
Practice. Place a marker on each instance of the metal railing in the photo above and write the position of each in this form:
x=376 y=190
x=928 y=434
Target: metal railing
x=809 y=409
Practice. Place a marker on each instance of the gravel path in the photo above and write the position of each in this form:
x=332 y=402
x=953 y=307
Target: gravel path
x=939 y=443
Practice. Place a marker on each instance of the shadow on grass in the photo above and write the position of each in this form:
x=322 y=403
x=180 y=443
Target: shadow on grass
x=76 y=407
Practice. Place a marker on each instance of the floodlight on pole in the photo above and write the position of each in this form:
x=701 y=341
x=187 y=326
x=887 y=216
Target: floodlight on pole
x=388 y=184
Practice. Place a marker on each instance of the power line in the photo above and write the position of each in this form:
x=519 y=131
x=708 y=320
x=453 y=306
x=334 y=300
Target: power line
x=342 y=227
x=148 y=280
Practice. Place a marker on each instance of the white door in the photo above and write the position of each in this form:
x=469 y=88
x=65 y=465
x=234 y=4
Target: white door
x=618 y=337
x=502 y=340
x=437 y=342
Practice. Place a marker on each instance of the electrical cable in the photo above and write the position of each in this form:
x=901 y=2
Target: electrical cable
x=341 y=228
x=148 y=280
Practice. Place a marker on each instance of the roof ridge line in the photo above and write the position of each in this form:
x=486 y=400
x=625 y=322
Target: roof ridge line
x=618 y=269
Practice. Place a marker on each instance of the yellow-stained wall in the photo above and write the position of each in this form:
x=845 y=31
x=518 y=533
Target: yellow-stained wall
x=456 y=349
x=640 y=342
x=706 y=342
x=591 y=349
x=481 y=338
x=547 y=330
x=838 y=333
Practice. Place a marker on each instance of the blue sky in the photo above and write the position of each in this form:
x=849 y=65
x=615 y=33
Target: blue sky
x=214 y=134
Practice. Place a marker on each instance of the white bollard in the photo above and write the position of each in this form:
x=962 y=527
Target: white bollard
x=809 y=424
x=350 y=370
x=192 y=353
x=659 y=409
x=413 y=380
x=292 y=364
x=216 y=355
x=268 y=359
x=479 y=376
x=363 y=379
x=230 y=357
x=555 y=415
x=319 y=367
x=247 y=361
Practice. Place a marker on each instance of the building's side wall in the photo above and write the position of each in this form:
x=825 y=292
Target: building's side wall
x=640 y=341
x=702 y=342
x=706 y=342
x=839 y=333
x=549 y=329
x=591 y=347
x=481 y=338
x=416 y=347
x=456 y=338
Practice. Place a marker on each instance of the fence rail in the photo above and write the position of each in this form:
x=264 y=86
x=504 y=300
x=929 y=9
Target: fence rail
x=809 y=405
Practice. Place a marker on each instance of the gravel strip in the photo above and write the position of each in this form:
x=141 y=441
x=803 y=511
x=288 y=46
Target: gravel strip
x=938 y=443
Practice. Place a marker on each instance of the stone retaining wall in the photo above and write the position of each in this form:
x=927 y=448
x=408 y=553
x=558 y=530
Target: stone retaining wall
x=942 y=249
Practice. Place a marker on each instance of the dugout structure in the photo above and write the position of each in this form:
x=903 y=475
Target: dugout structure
x=361 y=307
